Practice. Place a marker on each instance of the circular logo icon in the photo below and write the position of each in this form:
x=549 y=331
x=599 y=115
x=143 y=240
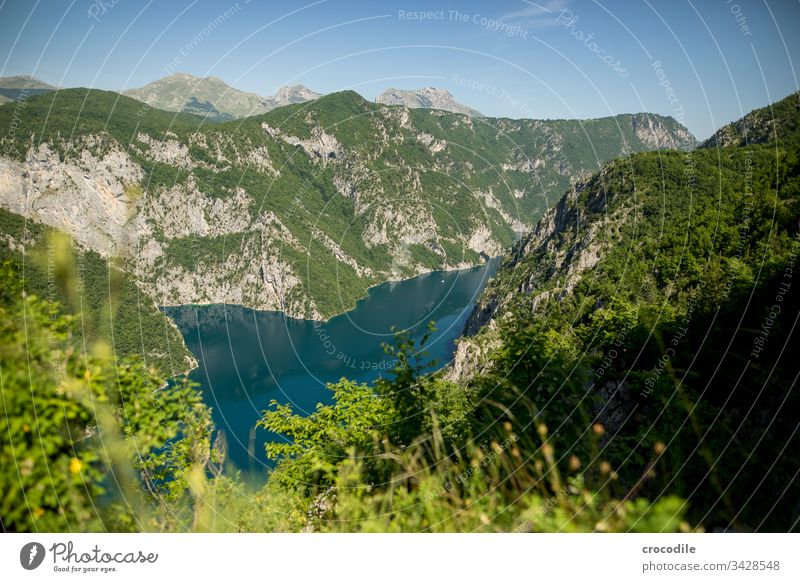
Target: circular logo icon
x=31 y=555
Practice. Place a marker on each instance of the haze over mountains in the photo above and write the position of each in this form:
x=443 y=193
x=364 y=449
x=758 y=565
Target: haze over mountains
x=213 y=97
x=21 y=86
x=209 y=97
x=215 y=100
x=426 y=98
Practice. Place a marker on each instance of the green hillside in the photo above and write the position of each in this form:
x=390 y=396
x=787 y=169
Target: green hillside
x=629 y=368
x=106 y=302
x=338 y=193
x=666 y=282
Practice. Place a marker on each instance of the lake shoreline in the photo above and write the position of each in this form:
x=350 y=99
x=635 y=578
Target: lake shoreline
x=247 y=358
x=162 y=306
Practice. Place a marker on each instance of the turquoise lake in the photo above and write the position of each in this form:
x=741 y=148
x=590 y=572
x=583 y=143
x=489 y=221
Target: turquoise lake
x=248 y=358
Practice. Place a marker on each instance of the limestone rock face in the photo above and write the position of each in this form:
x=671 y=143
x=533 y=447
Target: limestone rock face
x=654 y=133
x=98 y=200
x=304 y=208
x=289 y=94
x=567 y=241
x=428 y=98
x=91 y=197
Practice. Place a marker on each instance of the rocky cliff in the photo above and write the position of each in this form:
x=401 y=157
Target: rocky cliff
x=301 y=209
x=622 y=219
x=426 y=98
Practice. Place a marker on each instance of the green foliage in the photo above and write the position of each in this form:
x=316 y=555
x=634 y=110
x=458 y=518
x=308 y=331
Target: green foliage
x=473 y=494
x=315 y=444
x=48 y=480
x=386 y=459
x=108 y=304
x=637 y=379
x=667 y=327
x=59 y=116
x=76 y=426
x=470 y=184
x=778 y=124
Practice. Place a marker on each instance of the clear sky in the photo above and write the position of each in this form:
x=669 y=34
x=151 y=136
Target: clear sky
x=706 y=62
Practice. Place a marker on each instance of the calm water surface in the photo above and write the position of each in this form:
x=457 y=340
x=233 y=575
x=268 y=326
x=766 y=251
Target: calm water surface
x=248 y=358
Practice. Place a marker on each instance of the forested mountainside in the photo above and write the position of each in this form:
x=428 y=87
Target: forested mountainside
x=105 y=301
x=776 y=124
x=666 y=281
x=630 y=368
x=300 y=209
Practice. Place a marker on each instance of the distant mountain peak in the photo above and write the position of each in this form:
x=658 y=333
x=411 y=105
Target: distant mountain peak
x=294 y=94
x=213 y=97
x=21 y=87
x=24 y=81
x=425 y=98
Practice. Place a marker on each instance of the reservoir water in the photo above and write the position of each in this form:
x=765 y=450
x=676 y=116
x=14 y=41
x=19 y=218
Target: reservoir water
x=248 y=358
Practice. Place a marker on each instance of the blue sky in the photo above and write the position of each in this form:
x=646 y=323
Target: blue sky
x=705 y=62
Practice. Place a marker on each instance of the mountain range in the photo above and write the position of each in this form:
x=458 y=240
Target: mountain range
x=303 y=208
x=630 y=367
x=655 y=299
x=212 y=97
x=22 y=87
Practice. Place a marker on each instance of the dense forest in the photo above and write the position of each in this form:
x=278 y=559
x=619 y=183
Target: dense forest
x=631 y=367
